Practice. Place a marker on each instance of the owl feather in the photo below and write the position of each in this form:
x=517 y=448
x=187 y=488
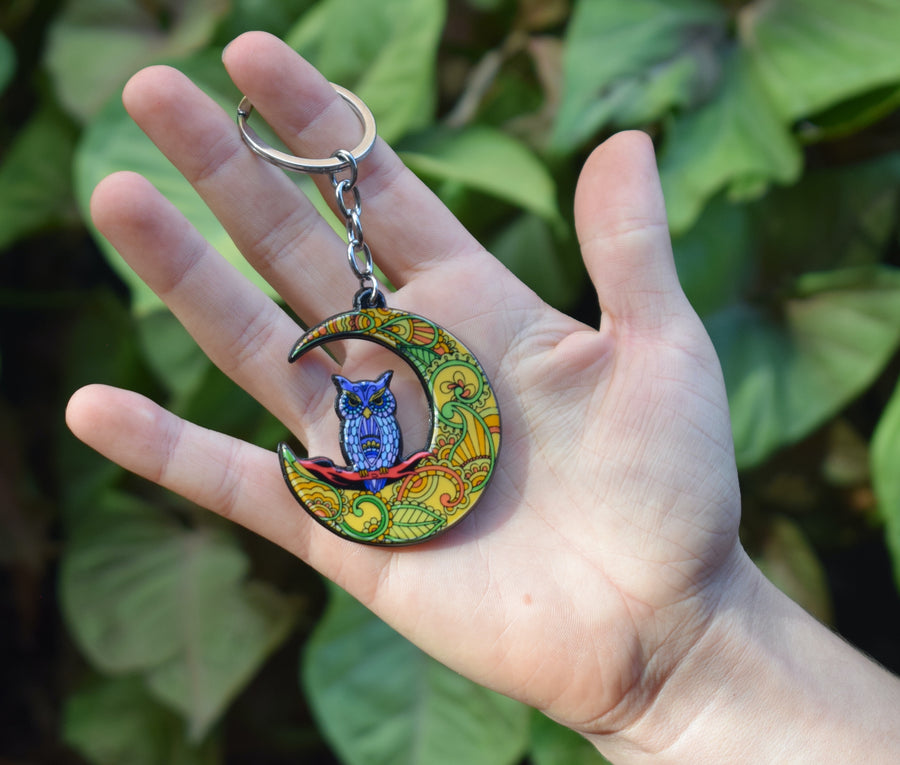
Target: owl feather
x=370 y=435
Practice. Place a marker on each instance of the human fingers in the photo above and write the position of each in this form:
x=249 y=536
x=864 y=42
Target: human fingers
x=409 y=229
x=235 y=479
x=620 y=218
x=242 y=330
x=272 y=223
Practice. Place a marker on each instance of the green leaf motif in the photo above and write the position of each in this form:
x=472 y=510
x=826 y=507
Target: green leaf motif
x=785 y=378
x=811 y=54
x=735 y=142
x=116 y=721
x=143 y=594
x=885 y=459
x=487 y=160
x=94 y=47
x=553 y=744
x=631 y=63
x=388 y=58
x=381 y=701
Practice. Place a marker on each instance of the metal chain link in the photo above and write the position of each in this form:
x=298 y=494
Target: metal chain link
x=359 y=255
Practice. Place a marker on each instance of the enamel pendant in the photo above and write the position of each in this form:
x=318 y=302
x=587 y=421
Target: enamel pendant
x=383 y=496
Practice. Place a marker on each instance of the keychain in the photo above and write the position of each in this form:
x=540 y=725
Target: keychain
x=383 y=496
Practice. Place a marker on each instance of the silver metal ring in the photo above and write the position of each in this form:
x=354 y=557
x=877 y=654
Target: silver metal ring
x=304 y=164
x=367 y=268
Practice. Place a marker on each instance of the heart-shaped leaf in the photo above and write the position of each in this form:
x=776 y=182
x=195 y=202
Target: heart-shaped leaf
x=787 y=374
x=811 y=54
x=383 y=50
x=736 y=142
x=94 y=47
x=380 y=700
x=630 y=63
x=144 y=594
x=115 y=721
x=487 y=160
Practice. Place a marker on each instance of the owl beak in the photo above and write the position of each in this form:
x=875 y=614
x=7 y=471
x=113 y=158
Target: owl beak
x=367 y=413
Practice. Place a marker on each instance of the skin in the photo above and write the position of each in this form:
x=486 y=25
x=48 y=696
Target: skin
x=601 y=578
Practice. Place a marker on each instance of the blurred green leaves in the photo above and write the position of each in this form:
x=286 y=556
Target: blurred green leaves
x=627 y=64
x=733 y=141
x=486 y=160
x=785 y=218
x=96 y=46
x=117 y=721
x=381 y=700
x=113 y=142
x=786 y=375
x=7 y=62
x=388 y=59
x=886 y=476
x=146 y=595
x=36 y=177
x=812 y=54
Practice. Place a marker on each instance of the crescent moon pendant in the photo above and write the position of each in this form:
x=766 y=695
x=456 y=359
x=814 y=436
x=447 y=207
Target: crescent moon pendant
x=430 y=491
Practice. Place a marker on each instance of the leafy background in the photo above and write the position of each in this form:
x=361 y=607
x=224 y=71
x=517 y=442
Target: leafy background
x=139 y=629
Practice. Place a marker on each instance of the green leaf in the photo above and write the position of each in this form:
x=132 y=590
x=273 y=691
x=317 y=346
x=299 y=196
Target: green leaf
x=789 y=561
x=7 y=62
x=553 y=744
x=811 y=54
x=786 y=377
x=116 y=721
x=172 y=353
x=94 y=47
x=527 y=248
x=832 y=218
x=112 y=142
x=143 y=593
x=101 y=347
x=36 y=177
x=715 y=258
x=885 y=458
x=631 y=63
x=850 y=116
x=735 y=142
x=379 y=699
x=262 y=15
x=487 y=160
x=386 y=55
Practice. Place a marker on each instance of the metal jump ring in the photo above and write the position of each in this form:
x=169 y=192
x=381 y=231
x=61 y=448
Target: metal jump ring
x=304 y=164
x=367 y=267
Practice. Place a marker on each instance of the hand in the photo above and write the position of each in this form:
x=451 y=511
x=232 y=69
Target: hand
x=596 y=560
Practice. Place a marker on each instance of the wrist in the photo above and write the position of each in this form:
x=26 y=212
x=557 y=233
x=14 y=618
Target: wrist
x=763 y=682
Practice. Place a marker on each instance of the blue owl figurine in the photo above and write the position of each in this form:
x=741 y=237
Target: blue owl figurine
x=370 y=435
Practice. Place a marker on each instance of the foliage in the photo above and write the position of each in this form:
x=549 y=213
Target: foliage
x=779 y=149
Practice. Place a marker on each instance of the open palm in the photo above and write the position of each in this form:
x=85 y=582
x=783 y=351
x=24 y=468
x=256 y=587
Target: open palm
x=593 y=561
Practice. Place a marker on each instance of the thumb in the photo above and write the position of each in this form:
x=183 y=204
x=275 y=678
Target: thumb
x=620 y=217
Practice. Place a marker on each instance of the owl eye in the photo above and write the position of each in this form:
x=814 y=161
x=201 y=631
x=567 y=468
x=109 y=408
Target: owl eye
x=353 y=399
x=377 y=399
